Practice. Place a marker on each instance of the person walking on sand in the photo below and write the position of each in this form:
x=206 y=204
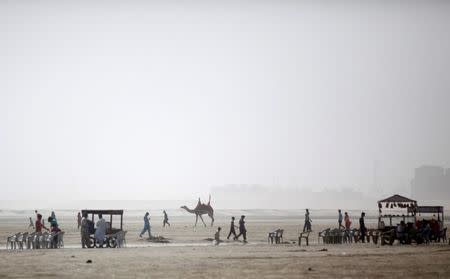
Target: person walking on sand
x=232 y=229
x=217 y=236
x=242 y=229
x=308 y=221
x=362 y=227
x=340 y=218
x=146 y=225
x=31 y=225
x=166 y=219
x=79 y=219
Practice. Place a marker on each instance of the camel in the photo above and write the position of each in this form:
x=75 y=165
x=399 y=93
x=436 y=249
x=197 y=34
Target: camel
x=201 y=209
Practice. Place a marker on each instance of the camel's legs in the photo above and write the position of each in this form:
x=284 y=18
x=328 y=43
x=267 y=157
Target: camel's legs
x=202 y=220
x=212 y=218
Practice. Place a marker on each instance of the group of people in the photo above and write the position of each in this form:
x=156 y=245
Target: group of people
x=341 y=218
x=147 y=227
x=88 y=228
x=241 y=227
x=423 y=232
x=39 y=224
x=345 y=218
x=405 y=233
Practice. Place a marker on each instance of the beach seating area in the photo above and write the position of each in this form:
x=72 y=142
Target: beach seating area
x=341 y=236
x=25 y=240
x=406 y=228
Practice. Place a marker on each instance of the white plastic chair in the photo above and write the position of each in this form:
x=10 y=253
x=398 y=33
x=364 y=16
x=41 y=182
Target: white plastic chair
x=42 y=241
x=11 y=240
x=121 y=242
x=60 y=239
x=20 y=239
x=50 y=240
x=30 y=240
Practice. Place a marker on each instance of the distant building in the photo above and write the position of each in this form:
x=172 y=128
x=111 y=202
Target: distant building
x=431 y=183
x=251 y=196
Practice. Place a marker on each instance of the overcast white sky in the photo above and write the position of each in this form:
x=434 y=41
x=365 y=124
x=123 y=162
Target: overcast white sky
x=162 y=100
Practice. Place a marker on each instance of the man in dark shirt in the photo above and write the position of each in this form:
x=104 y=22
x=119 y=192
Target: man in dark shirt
x=146 y=226
x=166 y=219
x=232 y=230
x=242 y=230
x=307 y=226
x=85 y=232
x=362 y=227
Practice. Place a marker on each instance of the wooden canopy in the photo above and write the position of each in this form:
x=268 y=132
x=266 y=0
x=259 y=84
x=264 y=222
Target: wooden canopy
x=398 y=199
x=109 y=212
x=429 y=209
x=102 y=211
x=398 y=202
x=439 y=210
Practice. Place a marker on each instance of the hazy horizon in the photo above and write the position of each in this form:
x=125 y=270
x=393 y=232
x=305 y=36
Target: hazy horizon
x=167 y=100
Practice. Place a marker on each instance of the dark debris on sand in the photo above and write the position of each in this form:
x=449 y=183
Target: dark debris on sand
x=158 y=239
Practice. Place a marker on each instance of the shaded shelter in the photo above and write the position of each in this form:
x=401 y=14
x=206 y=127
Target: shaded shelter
x=394 y=207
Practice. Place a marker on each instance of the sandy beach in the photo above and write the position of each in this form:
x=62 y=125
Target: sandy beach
x=190 y=255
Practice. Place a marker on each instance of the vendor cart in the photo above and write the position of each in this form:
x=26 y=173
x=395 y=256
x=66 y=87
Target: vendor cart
x=113 y=234
x=392 y=211
x=434 y=217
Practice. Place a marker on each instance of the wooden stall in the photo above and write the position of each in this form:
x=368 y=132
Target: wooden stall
x=114 y=236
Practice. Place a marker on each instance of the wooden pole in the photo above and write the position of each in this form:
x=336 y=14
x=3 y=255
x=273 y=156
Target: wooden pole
x=121 y=220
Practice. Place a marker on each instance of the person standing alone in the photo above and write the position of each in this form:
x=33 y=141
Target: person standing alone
x=166 y=219
x=217 y=236
x=340 y=218
x=362 y=228
x=307 y=226
x=79 y=219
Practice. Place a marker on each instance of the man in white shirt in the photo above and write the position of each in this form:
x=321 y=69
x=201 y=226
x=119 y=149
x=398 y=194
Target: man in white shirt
x=100 y=232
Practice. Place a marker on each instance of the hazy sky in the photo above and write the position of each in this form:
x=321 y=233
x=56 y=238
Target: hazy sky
x=164 y=99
